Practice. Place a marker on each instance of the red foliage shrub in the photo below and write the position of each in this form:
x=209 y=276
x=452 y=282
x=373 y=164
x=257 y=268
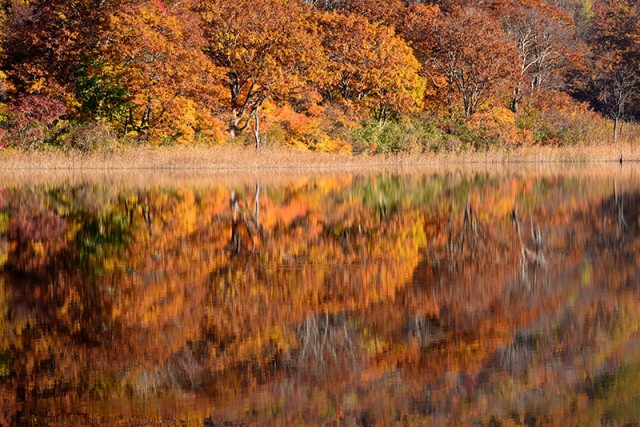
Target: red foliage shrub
x=27 y=110
x=29 y=119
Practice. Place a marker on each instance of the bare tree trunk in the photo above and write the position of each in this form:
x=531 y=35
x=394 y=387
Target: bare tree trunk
x=233 y=129
x=130 y=121
x=146 y=117
x=615 y=129
x=515 y=99
x=467 y=108
x=256 y=127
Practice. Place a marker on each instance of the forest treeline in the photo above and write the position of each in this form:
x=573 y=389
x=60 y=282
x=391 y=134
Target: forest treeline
x=323 y=75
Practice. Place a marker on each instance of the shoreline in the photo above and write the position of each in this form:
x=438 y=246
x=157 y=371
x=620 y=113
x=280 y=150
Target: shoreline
x=145 y=167
x=230 y=159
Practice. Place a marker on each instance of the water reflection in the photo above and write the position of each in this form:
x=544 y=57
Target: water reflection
x=469 y=297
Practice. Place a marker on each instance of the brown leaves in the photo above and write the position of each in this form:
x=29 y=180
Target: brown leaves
x=474 y=55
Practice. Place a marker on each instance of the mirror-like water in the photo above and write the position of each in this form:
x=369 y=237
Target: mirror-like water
x=467 y=297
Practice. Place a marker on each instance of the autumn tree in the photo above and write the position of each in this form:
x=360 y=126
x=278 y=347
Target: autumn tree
x=267 y=48
x=45 y=42
x=544 y=36
x=369 y=66
x=327 y=5
x=418 y=26
x=583 y=16
x=616 y=53
x=475 y=57
x=150 y=73
x=387 y=13
x=3 y=76
x=40 y=43
x=615 y=83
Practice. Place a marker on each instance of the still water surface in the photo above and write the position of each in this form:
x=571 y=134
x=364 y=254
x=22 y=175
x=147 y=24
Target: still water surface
x=417 y=299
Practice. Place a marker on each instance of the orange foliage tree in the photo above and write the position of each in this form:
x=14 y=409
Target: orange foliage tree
x=369 y=66
x=474 y=55
x=154 y=52
x=267 y=48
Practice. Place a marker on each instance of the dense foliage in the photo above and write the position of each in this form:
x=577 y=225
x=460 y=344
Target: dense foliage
x=343 y=75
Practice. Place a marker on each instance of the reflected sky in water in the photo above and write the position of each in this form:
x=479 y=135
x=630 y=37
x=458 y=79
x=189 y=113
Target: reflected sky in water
x=467 y=297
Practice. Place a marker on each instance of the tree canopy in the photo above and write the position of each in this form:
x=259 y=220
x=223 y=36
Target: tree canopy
x=168 y=71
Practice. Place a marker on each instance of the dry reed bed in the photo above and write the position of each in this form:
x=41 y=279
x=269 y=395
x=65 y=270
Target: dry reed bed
x=247 y=159
x=228 y=165
x=627 y=176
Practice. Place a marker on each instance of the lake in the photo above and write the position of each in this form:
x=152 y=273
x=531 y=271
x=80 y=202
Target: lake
x=482 y=295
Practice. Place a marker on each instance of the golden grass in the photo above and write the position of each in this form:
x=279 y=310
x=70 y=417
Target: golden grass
x=228 y=165
x=233 y=158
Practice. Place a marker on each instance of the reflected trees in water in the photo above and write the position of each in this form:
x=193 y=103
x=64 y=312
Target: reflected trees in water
x=447 y=297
